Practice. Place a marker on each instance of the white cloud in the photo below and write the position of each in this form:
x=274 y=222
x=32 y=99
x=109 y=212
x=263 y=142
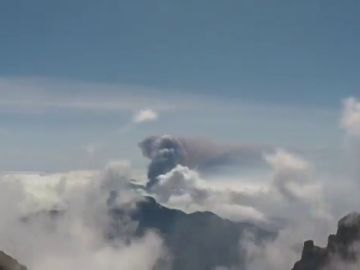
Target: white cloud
x=291 y=175
x=291 y=188
x=74 y=240
x=351 y=117
x=146 y=115
x=184 y=189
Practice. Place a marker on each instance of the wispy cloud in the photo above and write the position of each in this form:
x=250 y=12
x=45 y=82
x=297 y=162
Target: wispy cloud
x=42 y=94
x=351 y=117
x=147 y=115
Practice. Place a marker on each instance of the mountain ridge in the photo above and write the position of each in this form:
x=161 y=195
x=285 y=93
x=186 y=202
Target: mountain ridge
x=199 y=240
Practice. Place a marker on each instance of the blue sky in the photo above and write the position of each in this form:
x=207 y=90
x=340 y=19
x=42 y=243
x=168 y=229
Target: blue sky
x=270 y=72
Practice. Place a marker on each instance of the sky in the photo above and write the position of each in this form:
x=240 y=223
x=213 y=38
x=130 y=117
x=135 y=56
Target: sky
x=246 y=108
x=76 y=75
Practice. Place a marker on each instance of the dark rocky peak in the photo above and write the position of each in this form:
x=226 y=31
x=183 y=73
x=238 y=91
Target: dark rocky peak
x=340 y=245
x=348 y=229
x=8 y=263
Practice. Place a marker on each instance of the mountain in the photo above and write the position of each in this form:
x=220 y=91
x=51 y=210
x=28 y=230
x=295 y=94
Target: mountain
x=8 y=263
x=341 y=246
x=197 y=241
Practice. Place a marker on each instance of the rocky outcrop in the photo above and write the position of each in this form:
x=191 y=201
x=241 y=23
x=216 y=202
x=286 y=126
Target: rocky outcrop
x=340 y=245
x=8 y=263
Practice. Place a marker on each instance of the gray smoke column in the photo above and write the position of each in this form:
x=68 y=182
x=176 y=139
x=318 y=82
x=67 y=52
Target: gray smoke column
x=166 y=151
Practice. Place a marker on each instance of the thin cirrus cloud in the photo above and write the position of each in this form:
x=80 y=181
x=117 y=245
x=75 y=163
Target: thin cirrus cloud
x=44 y=94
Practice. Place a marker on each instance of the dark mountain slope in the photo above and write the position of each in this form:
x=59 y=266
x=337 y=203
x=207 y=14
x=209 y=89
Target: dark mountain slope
x=197 y=241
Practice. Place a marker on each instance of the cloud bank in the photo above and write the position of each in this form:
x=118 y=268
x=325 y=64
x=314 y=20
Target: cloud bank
x=76 y=235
